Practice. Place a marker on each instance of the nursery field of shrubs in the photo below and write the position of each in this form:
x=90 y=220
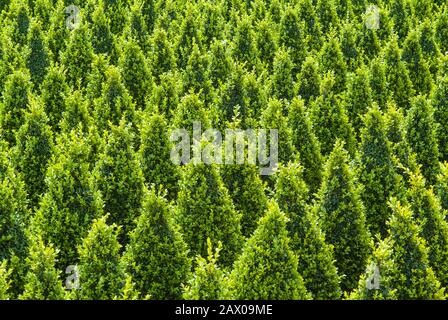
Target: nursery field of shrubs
x=100 y=200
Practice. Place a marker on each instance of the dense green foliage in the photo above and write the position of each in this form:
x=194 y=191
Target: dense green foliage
x=267 y=267
x=156 y=248
x=90 y=99
x=405 y=271
x=208 y=279
x=100 y=270
x=43 y=278
x=4 y=281
x=342 y=213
